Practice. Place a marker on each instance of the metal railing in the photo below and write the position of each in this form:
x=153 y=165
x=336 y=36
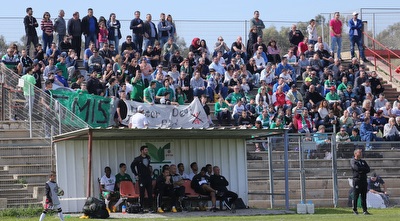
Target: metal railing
x=374 y=45
x=42 y=113
x=333 y=166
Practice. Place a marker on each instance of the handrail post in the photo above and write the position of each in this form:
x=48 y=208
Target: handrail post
x=390 y=67
x=30 y=103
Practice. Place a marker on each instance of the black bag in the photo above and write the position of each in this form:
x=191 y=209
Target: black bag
x=239 y=204
x=133 y=208
x=95 y=208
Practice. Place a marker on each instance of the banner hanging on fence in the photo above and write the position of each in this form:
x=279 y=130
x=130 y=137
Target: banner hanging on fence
x=97 y=111
x=93 y=109
x=171 y=116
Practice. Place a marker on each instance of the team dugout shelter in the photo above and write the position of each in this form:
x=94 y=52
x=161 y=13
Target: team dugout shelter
x=82 y=155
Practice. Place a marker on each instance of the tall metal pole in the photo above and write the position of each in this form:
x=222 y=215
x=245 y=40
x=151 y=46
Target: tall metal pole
x=89 y=156
x=286 y=158
x=334 y=169
x=302 y=173
x=30 y=103
x=271 y=175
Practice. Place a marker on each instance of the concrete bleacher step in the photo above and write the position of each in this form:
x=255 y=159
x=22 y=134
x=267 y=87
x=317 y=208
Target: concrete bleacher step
x=27 y=150
x=342 y=202
x=29 y=200
x=374 y=162
x=32 y=178
x=28 y=168
x=316 y=172
x=25 y=159
x=17 y=133
x=25 y=141
x=25 y=205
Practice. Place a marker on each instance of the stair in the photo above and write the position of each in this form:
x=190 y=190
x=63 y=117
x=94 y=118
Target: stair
x=318 y=173
x=24 y=163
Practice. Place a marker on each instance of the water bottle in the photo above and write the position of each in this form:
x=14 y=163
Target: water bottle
x=123 y=209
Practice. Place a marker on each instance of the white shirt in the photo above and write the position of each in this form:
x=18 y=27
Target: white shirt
x=108 y=183
x=138 y=120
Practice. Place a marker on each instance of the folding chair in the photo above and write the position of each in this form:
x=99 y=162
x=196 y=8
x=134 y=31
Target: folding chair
x=127 y=191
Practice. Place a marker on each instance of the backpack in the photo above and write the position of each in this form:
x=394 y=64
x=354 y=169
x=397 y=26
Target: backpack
x=95 y=208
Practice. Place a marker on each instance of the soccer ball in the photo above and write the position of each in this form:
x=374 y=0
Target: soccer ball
x=60 y=192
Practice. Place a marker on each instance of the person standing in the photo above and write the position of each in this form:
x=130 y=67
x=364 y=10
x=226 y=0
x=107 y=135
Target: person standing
x=335 y=26
x=114 y=31
x=138 y=120
x=360 y=170
x=90 y=28
x=141 y=168
x=137 y=28
x=258 y=23
x=356 y=37
x=60 y=27
x=295 y=37
x=47 y=27
x=52 y=200
x=150 y=32
x=28 y=89
x=164 y=28
x=75 y=30
x=31 y=24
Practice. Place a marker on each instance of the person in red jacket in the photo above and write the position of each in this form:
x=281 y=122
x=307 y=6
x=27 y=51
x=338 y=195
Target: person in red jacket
x=279 y=99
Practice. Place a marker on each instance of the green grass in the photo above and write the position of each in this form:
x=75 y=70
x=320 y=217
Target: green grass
x=325 y=214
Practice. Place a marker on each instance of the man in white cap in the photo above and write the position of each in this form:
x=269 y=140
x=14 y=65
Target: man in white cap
x=138 y=120
x=355 y=34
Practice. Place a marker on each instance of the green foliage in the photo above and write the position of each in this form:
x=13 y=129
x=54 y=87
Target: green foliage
x=21 y=212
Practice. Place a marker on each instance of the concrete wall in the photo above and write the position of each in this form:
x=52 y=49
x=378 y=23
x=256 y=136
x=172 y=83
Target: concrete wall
x=71 y=158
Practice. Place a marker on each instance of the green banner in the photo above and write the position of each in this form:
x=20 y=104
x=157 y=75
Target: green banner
x=93 y=109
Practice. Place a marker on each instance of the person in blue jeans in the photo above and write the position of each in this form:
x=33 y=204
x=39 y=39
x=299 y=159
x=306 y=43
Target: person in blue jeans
x=356 y=36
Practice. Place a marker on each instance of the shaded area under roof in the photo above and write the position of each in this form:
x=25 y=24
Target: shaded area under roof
x=124 y=133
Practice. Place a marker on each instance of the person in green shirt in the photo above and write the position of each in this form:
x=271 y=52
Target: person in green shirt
x=137 y=87
x=62 y=66
x=162 y=91
x=277 y=124
x=180 y=97
x=233 y=97
x=121 y=176
x=221 y=109
x=342 y=86
x=332 y=96
x=149 y=94
x=28 y=89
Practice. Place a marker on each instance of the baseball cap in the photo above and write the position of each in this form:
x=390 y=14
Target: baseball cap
x=355 y=13
x=308 y=79
x=140 y=108
x=57 y=70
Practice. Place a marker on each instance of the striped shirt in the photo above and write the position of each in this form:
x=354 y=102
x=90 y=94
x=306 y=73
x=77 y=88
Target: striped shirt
x=47 y=26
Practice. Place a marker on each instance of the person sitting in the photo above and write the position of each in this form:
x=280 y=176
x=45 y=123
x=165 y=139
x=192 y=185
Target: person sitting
x=374 y=186
x=165 y=187
x=244 y=120
x=201 y=185
x=368 y=133
x=222 y=111
x=322 y=140
x=390 y=132
x=121 y=176
x=177 y=181
x=107 y=185
x=219 y=183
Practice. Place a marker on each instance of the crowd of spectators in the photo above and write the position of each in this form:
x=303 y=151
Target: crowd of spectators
x=149 y=67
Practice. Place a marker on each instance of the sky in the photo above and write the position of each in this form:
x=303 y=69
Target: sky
x=270 y=12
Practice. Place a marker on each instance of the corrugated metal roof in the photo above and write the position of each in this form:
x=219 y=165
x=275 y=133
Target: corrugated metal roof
x=114 y=133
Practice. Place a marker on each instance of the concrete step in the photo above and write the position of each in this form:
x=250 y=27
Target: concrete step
x=295 y=193
x=374 y=162
x=36 y=141
x=18 y=133
x=32 y=178
x=27 y=168
x=27 y=150
x=21 y=201
x=342 y=202
x=260 y=185
x=25 y=159
x=319 y=172
x=25 y=205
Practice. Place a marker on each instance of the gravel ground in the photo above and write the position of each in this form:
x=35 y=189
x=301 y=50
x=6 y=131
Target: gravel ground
x=241 y=212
